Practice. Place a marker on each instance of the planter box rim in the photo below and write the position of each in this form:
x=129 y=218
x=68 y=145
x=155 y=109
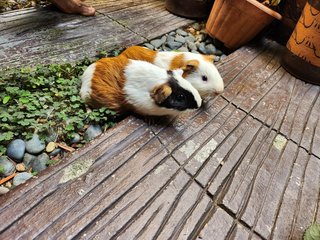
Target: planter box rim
x=265 y=9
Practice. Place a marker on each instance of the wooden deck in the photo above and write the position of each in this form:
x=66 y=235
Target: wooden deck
x=245 y=167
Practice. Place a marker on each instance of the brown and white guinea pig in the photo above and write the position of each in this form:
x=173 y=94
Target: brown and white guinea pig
x=198 y=69
x=125 y=85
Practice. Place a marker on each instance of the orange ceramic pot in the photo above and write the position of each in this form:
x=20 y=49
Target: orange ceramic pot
x=236 y=22
x=302 y=56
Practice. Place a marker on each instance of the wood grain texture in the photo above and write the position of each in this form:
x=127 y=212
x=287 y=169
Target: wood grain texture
x=245 y=166
x=29 y=37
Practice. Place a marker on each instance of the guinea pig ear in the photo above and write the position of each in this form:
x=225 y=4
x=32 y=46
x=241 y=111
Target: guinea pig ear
x=190 y=66
x=160 y=93
x=209 y=58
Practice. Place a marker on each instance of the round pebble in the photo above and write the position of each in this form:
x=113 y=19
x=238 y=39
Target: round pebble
x=202 y=48
x=40 y=163
x=183 y=49
x=7 y=167
x=181 y=32
x=211 y=49
x=8 y=184
x=3 y=190
x=192 y=46
x=35 y=146
x=174 y=45
x=92 y=132
x=156 y=43
x=196 y=26
x=21 y=178
x=28 y=159
x=20 y=167
x=52 y=136
x=75 y=138
x=50 y=147
x=180 y=39
x=148 y=45
x=16 y=150
x=55 y=152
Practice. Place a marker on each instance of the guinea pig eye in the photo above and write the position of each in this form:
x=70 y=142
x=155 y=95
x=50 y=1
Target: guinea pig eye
x=180 y=97
x=204 y=78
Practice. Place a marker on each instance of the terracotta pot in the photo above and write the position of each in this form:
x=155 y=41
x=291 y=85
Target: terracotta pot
x=236 y=22
x=302 y=56
x=190 y=8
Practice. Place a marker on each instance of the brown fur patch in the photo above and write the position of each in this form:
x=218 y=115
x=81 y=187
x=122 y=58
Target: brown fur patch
x=160 y=93
x=107 y=83
x=177 y=62
x=189 y=67
x=139 y=53
x=209 y=58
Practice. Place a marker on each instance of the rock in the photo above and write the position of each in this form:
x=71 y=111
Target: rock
x=21 y=178
x=16 y=149
x=174 y=45
x=156 y=43
x=192 y=46
x=218 y=52
x=190 y=38
x=201 y=37
x=55 y=152
x=35 y=146
x=28 y=159
x=223 y=56
x=211 y=49
x=50 y=147
x=202 y=48
x=20 y=167
x=52 y=136
x=3 y=190
x=180 y=39
x=216 y=58
x=195 y=51
x=8 y=185
x=170 y=38
x=164 y=39
x=196 y=26
x=166 y=49
x=40 y=163
x=148 y=45
x=75 y=138
x=7 y=167
x=183 y=49
x=92 y=132
x=172 y=33
x=181 y=32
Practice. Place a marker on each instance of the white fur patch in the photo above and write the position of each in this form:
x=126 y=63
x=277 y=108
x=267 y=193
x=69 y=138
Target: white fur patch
x=141 y=78
x=86 y=79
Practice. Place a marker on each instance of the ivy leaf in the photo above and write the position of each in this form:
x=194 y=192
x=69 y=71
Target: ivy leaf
x=6 y=99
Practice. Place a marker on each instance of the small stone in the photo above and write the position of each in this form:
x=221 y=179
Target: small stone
x=148 y=45
x=211 y=49
x=218 y=52
x=192 y=46
x=195 y=51
x=21 y=178
x=180 y=39
x=201 y=37
x=172 y=33
x=166 y=49
x=223 y=56
x=181 y=32
x=3 y=190
x=202 y=48
x=6 y=166
x=8 y=184
x=156 y=43
x=170 y=38
x=75 y=138
x=174 y=45
x=52 y=136
x=28 y=159
x=190 y=38
x=92 y=132
x=164 y=39
x=216 y=58
x=35 y=146
x=196 y=26
x=20 y=167
x=40 y=163
x=50 y=147
x=16 y=149
x=55 y=152
x=183 y=49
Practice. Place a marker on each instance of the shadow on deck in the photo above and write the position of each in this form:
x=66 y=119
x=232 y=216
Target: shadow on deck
x=246 y=167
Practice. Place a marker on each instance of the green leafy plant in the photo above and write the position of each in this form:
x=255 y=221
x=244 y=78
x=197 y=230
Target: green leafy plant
x=43 y=99
x=312 y=232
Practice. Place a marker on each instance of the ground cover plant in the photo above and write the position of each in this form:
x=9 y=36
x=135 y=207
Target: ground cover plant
x=45 y=99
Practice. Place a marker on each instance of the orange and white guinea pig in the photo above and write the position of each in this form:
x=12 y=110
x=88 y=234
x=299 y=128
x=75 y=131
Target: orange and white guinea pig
x=198 y=69
x=125 y=85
